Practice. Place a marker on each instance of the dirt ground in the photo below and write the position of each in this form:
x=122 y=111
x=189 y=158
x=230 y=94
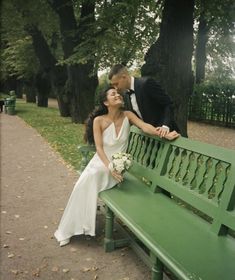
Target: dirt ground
x=35 y=186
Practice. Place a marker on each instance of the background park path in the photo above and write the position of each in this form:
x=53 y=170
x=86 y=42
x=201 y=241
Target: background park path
x=35 y=186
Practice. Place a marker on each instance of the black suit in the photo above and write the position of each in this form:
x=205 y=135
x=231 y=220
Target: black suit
x=154 y=104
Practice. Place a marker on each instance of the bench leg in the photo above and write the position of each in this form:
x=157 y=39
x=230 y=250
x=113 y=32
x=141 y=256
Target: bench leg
x=108 y=240
x=157 y=268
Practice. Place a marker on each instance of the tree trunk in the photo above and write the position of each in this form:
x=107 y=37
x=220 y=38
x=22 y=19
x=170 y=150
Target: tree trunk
x=43 y=86
x=169 y=59
x=200 y=55
x=56 y=74
x=30 y=91
x=19 y=89
x=59 y=78
x=82 y=82
x=9 y=84
x=82 y=89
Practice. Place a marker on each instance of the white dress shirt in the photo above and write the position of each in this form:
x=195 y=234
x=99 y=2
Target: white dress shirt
x=133 y=99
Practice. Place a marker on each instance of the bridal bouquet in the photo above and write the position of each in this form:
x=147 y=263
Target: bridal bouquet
x=120 y=162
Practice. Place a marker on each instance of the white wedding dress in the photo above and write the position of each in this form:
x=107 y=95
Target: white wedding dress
x=79 y=216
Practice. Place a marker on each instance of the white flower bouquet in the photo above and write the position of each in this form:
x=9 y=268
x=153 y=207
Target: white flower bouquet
x=120 y=162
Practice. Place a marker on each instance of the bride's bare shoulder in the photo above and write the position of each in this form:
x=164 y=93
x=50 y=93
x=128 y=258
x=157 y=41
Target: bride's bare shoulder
x=101 y=121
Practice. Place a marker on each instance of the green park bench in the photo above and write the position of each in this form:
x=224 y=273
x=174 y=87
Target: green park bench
x=190 y=234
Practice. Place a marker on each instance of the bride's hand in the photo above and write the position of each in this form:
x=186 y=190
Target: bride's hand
x=117 y=176
x=172 y=135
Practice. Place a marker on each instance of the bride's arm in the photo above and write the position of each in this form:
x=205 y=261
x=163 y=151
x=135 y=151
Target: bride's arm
x=98 y=137
x=97 y=131
x=148 y=128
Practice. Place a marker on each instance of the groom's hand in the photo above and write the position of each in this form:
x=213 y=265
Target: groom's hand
x=162 y=130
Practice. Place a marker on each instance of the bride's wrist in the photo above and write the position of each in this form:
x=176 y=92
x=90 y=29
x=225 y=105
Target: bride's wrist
x=110 y=167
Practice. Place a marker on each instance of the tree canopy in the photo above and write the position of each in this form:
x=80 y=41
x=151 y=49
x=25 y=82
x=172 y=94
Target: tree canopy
x=65 y=42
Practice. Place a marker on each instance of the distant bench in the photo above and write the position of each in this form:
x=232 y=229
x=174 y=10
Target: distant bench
x=190 y=234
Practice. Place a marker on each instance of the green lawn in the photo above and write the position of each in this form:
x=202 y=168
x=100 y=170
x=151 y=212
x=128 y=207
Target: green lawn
x=63 y=135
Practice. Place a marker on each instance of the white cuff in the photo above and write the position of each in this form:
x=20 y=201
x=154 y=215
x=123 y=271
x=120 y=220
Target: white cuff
x=166 y=127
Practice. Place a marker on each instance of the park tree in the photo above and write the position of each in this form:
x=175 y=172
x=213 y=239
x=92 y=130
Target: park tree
x=169 y=58
x=123 y=38
x=214 y=43
x=82 y=80
x=74 y=82
x=16 y=51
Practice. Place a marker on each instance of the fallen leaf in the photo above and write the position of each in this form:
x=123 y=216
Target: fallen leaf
x=86 y=269
x=73 y=250
x=36 y=272
x=55 y=268
x=94 y=268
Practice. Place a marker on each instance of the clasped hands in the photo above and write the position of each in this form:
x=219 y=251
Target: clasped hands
x=163 y=132
x=115 y=174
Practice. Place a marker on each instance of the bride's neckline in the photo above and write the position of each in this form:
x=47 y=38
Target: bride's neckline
x=117 y=133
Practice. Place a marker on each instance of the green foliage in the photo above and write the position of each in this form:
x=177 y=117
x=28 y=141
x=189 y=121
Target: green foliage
x=15 y=59
x=214 y=102
x=123 y=31
x=216 y=88
x=63 y=135
x=220 y=47
x=17 y=53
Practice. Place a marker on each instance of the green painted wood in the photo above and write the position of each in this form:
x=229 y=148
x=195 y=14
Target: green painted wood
x=177 y=236
x=201 y=178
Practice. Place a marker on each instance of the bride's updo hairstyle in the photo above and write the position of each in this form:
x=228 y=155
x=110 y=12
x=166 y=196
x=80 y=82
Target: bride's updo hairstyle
x=100 y=110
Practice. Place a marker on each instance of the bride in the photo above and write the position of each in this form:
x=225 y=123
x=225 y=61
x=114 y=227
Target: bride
x=108 y=127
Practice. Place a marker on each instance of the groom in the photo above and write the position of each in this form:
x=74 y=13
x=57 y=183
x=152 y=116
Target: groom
x=145 y=97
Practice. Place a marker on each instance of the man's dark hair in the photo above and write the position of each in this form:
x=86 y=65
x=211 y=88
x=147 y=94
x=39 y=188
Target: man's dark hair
x=116 y=69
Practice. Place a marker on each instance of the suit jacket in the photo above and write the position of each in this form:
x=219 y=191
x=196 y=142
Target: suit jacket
x=154 y=104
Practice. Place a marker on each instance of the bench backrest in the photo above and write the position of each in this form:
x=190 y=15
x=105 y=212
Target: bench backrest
x=199 y=174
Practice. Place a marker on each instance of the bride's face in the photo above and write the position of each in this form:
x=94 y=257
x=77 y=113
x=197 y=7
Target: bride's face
x=113 y=98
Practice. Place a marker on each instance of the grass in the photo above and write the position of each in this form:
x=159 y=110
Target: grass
x=62 y=135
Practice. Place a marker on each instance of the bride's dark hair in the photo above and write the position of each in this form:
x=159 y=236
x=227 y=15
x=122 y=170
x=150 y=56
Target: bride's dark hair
x=100 y=110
